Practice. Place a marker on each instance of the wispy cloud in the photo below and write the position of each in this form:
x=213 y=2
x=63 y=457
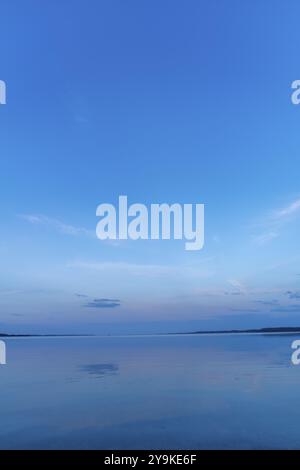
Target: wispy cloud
x=268 y=303
x=293 y=294
x=103 y=303
x=15 y=292
x=264 y=238
x=238 y=285
x=11 y=292
x=273 y=222
x=291 y=209
x=245 y=310
x=147 y=270
x=99 y=370
x=57 y=225
x=287 y=309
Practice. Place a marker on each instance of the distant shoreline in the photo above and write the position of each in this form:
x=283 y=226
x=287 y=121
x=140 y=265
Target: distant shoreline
x=4 y=335
x=284 y=329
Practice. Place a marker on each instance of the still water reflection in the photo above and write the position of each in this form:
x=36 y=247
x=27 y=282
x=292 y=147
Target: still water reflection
x=159 y=392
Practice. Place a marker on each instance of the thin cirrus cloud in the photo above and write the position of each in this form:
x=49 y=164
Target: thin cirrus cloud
x=57 y=225
x=245 y=310
x=239 y=287
x=288 y=210
x=295 y=295
x=275 y=221
x=103 y=303
x=266 y=237
x=287 y=309
x=143 y=270
x=269 y=303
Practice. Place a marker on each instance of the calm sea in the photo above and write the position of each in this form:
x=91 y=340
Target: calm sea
x=155 y=392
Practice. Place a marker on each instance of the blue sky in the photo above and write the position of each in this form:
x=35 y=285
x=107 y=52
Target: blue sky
x=164 y=101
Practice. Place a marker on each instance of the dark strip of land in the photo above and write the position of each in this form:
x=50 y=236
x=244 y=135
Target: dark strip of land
x=283 y=329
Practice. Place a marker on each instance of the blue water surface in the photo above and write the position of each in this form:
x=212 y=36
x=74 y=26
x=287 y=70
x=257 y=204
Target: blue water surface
x=151 y=392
